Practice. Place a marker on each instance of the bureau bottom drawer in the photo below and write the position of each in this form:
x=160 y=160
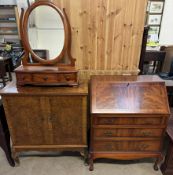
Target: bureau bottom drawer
x=109 y=146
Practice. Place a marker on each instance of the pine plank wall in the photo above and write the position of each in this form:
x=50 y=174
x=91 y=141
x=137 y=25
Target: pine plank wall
x=106 y=34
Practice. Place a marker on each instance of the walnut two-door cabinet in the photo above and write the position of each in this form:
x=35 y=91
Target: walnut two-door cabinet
x=128 y=118
x=46 y=118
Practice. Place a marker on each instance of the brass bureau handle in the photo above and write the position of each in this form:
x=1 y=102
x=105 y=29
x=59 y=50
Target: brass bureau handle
x=143 y=147
x=108 y=133
x=146 y=133
x=109 y=121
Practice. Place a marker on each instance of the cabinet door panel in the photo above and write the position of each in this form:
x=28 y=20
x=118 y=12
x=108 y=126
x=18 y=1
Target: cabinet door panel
x=68 y=115
x=25 y=120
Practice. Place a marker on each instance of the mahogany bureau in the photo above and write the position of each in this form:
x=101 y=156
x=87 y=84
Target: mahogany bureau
x=128 y=117
x=46 y=118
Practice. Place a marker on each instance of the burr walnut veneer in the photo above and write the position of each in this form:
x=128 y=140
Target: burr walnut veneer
x=128 y=117
x=46 y=118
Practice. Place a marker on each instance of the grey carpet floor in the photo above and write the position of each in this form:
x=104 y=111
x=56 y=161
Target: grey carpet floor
x=73 y=165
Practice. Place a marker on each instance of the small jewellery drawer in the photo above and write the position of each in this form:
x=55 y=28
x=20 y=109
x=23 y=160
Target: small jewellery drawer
x=44 y=78
x=24 y=77
x=69 y=77
x=129 y=132
x=128 y=120
x=113 y=146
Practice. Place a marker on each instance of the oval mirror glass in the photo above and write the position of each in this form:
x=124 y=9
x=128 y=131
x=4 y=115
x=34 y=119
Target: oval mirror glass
x=46 y=32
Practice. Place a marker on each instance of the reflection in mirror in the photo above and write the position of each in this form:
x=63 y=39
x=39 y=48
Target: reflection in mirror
x=46 y=32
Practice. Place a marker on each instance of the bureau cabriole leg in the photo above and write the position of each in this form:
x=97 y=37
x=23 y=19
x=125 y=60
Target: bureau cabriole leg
x=157 y=162
x=91 y=165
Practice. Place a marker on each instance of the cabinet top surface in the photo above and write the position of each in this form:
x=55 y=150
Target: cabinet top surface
x=128 y=95
x=43 y=69
x=12 y=89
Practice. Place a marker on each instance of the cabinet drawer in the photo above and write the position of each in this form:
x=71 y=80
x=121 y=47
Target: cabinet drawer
x=127 y=132
x=109 y=146
x=45 y=78
x=128 y=120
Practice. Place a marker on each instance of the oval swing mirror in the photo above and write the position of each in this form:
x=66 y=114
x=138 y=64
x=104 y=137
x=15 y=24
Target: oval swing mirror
x=46 y=33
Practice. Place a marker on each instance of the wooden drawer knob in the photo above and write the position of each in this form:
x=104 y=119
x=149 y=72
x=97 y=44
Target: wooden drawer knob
x=67 y=77
x=45 y=78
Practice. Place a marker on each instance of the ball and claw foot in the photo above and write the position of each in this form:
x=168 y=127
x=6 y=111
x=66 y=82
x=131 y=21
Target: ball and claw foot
x=156 y=167
x=84 y=157
x=157 y=163
x=91 y=168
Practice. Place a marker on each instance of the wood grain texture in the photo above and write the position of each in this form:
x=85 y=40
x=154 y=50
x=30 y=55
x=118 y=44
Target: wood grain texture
x=128 y=117
x=49 y=119
x=127 y=95
x=106 y=35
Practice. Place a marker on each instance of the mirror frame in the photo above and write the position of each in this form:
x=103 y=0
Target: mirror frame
x=25 y=39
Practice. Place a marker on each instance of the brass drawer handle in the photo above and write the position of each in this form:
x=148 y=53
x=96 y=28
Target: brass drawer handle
x=143 y=147
x=109 y=121
x=108 y=133
x=145 y=133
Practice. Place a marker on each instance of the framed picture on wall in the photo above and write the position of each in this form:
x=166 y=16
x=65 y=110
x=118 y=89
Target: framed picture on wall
x=154 y=30
x=154 y=19
x=156 y=7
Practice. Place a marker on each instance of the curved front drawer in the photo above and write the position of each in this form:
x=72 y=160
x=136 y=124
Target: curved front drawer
x=41 y=78
x=105 y=132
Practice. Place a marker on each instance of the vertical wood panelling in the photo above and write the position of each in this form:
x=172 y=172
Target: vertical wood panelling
x=106 y=34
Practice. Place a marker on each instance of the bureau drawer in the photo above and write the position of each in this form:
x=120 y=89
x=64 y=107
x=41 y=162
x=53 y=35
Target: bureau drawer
x=129 y=132
x=128 y=120
x=109 y=146
x=45 y=78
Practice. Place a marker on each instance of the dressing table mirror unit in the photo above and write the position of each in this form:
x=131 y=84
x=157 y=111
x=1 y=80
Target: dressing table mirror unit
x=46 y=38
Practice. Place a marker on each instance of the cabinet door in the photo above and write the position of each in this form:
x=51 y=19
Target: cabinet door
x=25 y=116
x=69 y=115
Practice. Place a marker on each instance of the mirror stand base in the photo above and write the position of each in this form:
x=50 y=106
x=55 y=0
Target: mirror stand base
x=46 y=76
